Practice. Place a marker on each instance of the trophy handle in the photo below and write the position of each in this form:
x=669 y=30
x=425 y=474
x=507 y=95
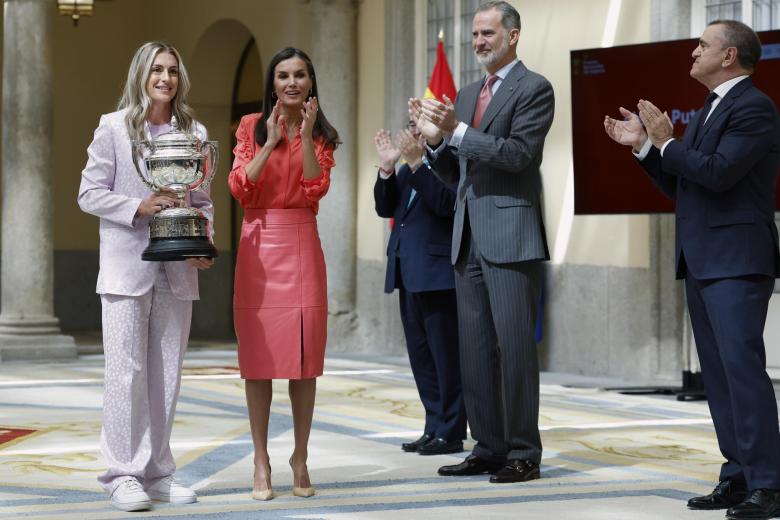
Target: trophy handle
x=137 y=156
x=210 y=167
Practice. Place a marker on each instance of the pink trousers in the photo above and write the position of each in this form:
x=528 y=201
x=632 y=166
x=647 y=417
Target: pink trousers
x=144 y=340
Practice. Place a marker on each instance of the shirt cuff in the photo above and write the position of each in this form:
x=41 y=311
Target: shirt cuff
x=643 y=151
x=423 y=162
x=457 y=135
x=244 y=181
x=435 y=153
x=384 y=175
x=663 y=146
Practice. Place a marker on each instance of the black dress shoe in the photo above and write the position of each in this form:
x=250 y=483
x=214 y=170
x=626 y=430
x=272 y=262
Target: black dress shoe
x=472 y=465
x=440 y=446
x=516 y=470
x=415 y=445
x=726 y=494
x=761 y=504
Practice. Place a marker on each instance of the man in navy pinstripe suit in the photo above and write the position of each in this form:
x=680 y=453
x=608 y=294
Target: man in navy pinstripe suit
x=722 y=175
x=490 y=142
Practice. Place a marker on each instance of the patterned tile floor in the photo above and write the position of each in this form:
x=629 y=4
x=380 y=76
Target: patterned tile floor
x=607 y=456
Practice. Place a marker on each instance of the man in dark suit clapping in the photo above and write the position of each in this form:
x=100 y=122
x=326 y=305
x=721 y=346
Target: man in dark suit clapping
x=722 y=174
x=490 y=142
x=418 y=266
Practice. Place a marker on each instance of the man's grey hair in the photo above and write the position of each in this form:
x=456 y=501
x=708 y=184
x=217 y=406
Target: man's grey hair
x=740 y=36
x=510 y=18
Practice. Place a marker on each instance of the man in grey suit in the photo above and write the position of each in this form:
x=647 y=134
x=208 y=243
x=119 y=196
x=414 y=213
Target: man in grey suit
x=490 y=142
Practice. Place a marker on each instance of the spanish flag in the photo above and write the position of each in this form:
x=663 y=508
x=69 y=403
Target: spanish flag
x=441 y=82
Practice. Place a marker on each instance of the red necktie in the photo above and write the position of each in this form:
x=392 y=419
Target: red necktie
x=485 y=95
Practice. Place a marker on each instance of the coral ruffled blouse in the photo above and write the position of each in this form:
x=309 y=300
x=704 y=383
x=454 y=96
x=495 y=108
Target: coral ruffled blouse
x=281 y=183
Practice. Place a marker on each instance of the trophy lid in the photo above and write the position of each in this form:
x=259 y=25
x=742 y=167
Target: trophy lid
x=175 y=143
x=175 y=136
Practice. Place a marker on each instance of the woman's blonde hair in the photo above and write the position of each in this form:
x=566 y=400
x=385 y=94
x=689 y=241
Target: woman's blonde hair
x=136 y=99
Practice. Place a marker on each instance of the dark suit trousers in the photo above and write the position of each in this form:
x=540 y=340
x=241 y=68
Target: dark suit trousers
x=497 y=310
x=429 y=319
x=728 y=317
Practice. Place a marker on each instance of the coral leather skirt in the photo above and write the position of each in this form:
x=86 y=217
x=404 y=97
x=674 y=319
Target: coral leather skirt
x=280 y=298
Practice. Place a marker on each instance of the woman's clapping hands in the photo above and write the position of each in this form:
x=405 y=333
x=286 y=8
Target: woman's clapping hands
x=274 y=127
x=309 y=115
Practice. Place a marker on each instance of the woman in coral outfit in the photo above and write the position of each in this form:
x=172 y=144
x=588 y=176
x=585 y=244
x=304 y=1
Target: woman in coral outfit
x=280 y=172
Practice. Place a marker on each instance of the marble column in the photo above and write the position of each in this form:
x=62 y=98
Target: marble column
x=399 y=60
x=334 y=53
x=28 y=327
x=669 y=20
x=385 y=333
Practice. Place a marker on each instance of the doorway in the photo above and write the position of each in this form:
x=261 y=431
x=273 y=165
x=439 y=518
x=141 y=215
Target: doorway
x=225 y=72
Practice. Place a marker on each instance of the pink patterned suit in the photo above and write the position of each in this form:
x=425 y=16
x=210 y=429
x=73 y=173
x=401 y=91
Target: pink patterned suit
x=147 y=307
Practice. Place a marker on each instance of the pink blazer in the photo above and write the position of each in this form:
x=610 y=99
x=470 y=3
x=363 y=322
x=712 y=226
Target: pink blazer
x=110 y=189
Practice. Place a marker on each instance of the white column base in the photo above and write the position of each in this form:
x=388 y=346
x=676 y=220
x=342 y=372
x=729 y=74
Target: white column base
x=34 y=339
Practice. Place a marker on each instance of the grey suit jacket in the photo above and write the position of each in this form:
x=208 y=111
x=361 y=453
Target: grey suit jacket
x=496 y=167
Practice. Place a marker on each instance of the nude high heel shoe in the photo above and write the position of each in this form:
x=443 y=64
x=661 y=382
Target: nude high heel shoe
x=264 y=494
x=304 y=492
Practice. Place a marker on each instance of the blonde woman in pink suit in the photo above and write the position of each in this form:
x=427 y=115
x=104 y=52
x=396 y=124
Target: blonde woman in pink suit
x=281 y=171
x=147 y=306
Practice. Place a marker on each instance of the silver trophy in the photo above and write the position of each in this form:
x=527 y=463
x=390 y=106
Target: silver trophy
x=181 y=163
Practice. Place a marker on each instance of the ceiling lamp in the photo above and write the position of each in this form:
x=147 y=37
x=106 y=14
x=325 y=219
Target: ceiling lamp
x=75 y=9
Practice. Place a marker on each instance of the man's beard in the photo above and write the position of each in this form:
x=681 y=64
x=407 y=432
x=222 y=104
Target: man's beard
x=494 y=55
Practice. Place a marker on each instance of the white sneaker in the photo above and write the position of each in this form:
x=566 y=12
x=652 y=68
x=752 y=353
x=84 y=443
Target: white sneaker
x=129 y=495
x=167 y=489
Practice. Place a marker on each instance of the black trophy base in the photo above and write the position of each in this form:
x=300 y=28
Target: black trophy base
x=177 y=249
